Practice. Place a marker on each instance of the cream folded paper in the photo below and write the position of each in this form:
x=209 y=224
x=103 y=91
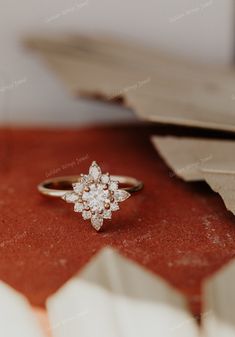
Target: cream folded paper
x=157 y=87
x=16 y=315
x=218 y=319
x=113 y=296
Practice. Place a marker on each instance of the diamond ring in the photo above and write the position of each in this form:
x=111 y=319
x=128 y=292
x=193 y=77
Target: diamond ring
x=95 y=195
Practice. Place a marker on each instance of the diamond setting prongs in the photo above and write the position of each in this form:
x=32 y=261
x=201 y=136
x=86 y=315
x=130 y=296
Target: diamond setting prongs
x=96 y=196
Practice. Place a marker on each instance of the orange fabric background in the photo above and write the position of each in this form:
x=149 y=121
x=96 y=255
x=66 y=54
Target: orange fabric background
x=178 y=230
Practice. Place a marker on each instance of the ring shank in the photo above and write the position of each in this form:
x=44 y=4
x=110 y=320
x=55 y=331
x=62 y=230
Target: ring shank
x=58 y=186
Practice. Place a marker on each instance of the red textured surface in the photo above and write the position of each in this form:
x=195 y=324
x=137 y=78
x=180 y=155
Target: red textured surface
x=178 y=230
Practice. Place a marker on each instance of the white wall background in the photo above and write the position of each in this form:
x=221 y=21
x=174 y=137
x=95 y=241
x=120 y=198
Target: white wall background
x=198 y=29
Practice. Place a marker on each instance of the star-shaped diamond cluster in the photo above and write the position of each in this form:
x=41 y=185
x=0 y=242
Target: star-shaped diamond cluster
x=96 y=196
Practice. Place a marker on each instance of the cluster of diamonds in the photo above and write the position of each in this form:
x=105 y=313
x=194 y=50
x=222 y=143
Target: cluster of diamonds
x=96 y=196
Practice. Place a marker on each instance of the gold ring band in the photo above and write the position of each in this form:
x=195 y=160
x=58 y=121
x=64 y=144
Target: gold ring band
x=58 y=186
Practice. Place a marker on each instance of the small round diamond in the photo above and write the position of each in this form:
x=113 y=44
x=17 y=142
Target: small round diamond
x=78 y=207
x=105 y=178
x=78 y=187
x=114 y=206
x=107 y=214
x=113 y=186
x=86 y=215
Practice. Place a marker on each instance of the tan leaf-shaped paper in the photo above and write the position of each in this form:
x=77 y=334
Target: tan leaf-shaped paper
x=224 y=184
x=157 y=87
x=195 y=159
x=218 y=318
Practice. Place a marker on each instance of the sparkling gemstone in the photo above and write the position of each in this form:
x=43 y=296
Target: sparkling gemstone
x=96 y=197
x=105 y=178
x=78 y=207
x=113 y=186
x=96 y=222
x=70 y=197
x=78 y=187
x=85 y=178
x=86 y=215
x=114 y=206
x=95 y=171
x=107 y=214
x=121 y=195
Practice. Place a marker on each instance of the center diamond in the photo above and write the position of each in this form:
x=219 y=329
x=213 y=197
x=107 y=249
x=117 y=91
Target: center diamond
x=96 y=197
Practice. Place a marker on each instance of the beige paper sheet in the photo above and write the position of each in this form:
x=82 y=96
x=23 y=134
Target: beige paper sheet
x=158 y=87
x=218 y=318
x=195 y=159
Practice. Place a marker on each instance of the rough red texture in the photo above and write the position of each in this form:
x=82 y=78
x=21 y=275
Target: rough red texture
x=178 y=230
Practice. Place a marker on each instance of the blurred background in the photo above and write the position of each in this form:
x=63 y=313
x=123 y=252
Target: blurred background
x=199 y=30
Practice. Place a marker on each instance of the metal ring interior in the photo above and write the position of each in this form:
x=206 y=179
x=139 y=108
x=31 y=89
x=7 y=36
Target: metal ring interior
x=51 y=187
